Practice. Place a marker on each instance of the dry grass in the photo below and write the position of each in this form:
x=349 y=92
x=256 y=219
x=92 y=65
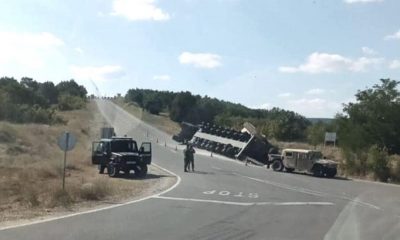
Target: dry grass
x=31 y=169
x=162 y=121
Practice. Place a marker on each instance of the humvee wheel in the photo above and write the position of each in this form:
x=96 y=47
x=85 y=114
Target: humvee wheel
x=331 y=173
x=277 y=165
x=318 y=171
x=289 y=170
x=112 y=170
x=141 y=170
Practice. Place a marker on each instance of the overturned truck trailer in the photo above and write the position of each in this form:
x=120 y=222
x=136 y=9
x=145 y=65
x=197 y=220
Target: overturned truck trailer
x=228 y=142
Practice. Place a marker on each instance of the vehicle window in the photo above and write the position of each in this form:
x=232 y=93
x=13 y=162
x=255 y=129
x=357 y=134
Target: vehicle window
x=123 y=146
x=289 y=154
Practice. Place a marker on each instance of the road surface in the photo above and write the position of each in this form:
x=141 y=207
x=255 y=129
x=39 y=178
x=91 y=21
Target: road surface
x=225 y=199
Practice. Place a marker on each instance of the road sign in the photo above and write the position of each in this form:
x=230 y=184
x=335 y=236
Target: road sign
x=66 y=141
x=330 y=137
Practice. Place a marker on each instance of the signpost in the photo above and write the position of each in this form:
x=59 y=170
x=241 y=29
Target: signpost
x=330 y=137
x=66 y=142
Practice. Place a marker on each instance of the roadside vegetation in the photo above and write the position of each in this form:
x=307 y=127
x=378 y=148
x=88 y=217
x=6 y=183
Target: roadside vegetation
x=31 y=161
x=368 y=130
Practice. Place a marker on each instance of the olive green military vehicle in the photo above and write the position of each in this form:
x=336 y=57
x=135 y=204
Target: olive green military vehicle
x=302 y=160
x=118 y=154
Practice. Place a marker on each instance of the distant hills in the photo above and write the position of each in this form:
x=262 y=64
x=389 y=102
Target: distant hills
x=324 y=120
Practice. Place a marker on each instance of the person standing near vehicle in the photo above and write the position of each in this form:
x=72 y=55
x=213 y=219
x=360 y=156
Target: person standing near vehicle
x=189 y=157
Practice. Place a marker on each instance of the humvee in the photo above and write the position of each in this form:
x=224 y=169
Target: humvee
x=304 y=161
x=121 y=154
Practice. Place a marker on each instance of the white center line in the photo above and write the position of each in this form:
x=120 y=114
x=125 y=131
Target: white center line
x=247 y=203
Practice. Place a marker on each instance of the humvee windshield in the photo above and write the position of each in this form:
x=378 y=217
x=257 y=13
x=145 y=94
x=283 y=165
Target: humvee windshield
x=315 y=155
x=123 y=146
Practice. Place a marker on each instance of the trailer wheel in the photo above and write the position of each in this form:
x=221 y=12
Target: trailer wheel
x=277 y=165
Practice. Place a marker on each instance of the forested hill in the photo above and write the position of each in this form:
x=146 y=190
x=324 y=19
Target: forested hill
x=29 y=101
x=184 y=106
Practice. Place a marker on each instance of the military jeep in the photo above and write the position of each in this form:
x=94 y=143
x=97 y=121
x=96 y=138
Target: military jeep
x=304 y=161
x=121 y=154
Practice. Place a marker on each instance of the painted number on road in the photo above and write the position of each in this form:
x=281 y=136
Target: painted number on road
x=227 y=193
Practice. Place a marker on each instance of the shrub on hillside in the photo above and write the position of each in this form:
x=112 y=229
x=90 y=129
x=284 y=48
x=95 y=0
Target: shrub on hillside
x=378 y=161
x=68 y=102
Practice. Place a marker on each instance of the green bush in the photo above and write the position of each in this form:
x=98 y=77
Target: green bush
x=68 y=102
x=378 y=162
x=394 y=165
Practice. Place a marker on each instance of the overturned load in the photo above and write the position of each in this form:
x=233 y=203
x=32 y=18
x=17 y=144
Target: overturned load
x=227 y=141
x=187 y=132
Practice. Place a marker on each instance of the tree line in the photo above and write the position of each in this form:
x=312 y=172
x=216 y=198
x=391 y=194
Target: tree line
x=184 y=106
x=29 y=101
x=368 y=132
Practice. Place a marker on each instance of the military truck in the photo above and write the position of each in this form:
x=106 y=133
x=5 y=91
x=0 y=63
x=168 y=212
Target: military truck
x=118 y=154
x=304 y=161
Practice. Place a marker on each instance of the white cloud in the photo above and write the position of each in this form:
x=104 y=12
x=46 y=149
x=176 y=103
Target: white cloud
x=139 y=10
x=330 y=63
x=368 y=51
x=28 y=50
x=395 y=64
x=100 y=73
x=78 y=50
x=284 y=95
x=315 y=91
x=162 y=77
x=394 y=36
x=314 y=107
x=362 y=1
x=200 y=60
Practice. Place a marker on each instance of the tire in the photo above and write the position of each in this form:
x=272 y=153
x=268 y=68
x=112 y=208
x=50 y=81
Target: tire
x=318 y=171
x=112 y=170
x=277 y=165
x=331 y=173
x=141 y=170
x=289 y=170
x=126 y=172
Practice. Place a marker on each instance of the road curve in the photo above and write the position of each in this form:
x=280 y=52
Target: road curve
x=224 y=199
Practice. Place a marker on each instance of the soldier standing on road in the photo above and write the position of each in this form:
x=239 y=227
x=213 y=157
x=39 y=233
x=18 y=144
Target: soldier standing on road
x=189 y=157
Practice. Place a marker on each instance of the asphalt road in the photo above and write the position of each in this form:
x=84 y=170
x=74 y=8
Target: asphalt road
x=224 y=199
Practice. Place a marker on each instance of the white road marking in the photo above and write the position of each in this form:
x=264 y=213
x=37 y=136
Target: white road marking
x=247 y=203
x=100 y=209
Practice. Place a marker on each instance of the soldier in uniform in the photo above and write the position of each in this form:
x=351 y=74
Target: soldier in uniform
x=189 y=157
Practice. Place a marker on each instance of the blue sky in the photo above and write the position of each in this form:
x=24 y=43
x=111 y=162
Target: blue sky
x=309 y=56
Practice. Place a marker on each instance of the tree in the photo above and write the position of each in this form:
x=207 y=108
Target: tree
x=71 y=88
x=373 y=119
x=49 y=91
x=153 y=104
x=181 y=106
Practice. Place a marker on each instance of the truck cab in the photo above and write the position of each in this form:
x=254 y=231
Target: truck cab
x=121 y=154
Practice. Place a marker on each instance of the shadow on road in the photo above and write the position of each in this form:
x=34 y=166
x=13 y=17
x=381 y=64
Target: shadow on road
x=310 y=175
x=202 y=172
x=132 y=176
